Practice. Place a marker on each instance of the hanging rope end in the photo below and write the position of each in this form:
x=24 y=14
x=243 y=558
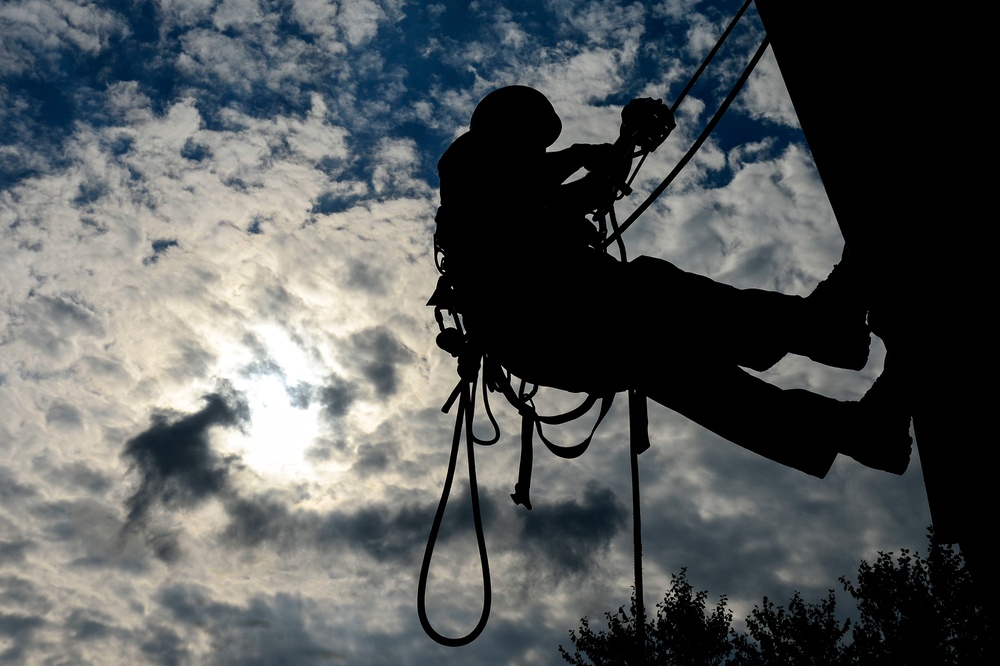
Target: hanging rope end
x=638 y=417
x=521 y=497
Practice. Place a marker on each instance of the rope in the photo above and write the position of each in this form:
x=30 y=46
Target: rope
x=465 y=410
x=637 y=414
x=693 y=149
x=464 y=393
x=635 y=399
x=711 y=54
x=616 y=233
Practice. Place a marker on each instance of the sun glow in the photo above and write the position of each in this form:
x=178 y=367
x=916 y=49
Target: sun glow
x=285 y=419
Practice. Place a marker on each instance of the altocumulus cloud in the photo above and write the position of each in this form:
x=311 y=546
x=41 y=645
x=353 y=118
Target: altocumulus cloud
x=244 y=191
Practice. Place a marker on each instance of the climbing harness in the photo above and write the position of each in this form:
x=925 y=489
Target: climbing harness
x=645 y=125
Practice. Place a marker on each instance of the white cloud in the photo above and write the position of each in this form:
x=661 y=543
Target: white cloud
x=765 y=95
x=184 y=13
x=254 y=205
x=241 y=14
x=216 y=57
x=676 y=9
x=34 y=30
x=356 y=21
x=360 y=20
x=604 y=23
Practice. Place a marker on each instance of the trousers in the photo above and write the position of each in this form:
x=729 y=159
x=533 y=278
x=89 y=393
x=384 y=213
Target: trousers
x=680 y=338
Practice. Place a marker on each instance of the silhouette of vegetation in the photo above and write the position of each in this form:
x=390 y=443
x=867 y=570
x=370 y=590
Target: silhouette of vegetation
x=803 y=634
x=682 y=632
x=910 y=610
x=918 y=610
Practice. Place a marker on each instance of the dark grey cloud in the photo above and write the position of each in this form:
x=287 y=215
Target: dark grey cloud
x=377 y=352
x=336 y=397
x=572 y=533
x=87 y=624
x=65 y=311
x=274 y=299
x=88 y=533
x=165 y=646
x=165 y=544
x=385 y=533
x=278 y=629
x=64 y=415
x=12 y=490
x=22 y=595
x=265 y=366
x=106 y=368
x=374 y=458
x=13 y=552
x=19 y=629
x=82 y=476
x=324 y=448
x=174 y=460
x=366 y=277
x=300 y=395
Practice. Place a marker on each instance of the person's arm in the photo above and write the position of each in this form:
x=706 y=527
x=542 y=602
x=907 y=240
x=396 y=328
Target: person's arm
x=583 y=196
x=561 y=164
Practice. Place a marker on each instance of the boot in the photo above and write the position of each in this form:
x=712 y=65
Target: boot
x=834 y=330
x=882 y=440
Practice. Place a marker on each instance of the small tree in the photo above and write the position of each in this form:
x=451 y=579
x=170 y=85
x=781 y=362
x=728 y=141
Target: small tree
x=914 y=610
x=683 y=633
x=804 y=635
x=911 y=611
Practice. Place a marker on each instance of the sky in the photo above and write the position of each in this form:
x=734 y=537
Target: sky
x=221 y=437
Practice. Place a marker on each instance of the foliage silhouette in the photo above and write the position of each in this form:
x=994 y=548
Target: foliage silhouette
x=682 y=632
x=910 y=610
x=918 y=610
x=803 y=635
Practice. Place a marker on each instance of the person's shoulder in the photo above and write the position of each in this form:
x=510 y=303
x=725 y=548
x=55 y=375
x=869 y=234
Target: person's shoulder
x=472 y=148
x=462 y=150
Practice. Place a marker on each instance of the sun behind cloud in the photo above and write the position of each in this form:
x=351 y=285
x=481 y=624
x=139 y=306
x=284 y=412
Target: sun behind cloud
x=284 y=419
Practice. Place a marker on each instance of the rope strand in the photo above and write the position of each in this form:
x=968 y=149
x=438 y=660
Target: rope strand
x=465 y=412
x=640 y=609
x=711 y=54
x=692 y=150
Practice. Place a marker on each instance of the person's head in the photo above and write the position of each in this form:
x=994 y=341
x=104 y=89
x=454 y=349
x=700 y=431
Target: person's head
x=517 y=114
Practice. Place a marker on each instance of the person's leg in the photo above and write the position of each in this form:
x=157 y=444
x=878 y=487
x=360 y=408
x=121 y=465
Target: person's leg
x=754 y=328
x=745 y=410
x=794 y=427
x=747 y=327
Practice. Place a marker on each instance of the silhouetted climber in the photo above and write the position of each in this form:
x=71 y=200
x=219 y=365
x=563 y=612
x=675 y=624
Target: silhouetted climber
x=537 y=295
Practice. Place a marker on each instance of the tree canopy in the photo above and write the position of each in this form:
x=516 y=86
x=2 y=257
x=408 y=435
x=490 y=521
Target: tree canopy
x=910 y=609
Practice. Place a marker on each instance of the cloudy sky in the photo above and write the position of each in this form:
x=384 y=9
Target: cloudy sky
x=220 y=428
